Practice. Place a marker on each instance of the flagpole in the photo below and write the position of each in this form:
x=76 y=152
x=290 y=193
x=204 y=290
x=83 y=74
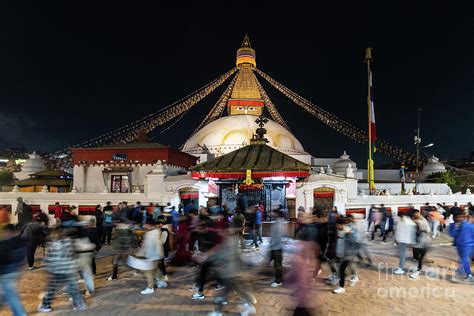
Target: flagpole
x=370 y=162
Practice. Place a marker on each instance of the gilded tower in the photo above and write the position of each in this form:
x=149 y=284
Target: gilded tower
x=245 y=97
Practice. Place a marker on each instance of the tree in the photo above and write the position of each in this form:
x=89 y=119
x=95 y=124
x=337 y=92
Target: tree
x=6 y=177
x=457 y=181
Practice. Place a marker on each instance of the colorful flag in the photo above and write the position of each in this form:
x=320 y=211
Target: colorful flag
x=372 y=131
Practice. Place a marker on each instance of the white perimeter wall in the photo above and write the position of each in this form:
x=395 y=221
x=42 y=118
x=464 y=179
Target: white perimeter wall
x=395 y=201
x=92 y=179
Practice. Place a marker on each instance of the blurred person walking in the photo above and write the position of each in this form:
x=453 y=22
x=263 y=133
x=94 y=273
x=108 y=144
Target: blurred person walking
x=405 y=236
x=121 y=245
x=84 y=249
x=436 y=219
x=383 y=222
x=92 y=233
x=12 y=256
x=58 y=210
x=300 y=275
x=62 y=266
x=165 y=241
x=33 y=233
x=346 y=250
x=331 y=247
x=361 y=240
x=238 y=222
x=206 y=263
x=463 y=233
x=257 y=227
x=442 y=209
x=372 y=210
x=276 y=248
x=24 y=212
x=107 y=224
x=41 y=217
x=376 y=219
x=99 y=220
x=183 y=255
x=152 y=249
x=228 y=264
x=423 y=241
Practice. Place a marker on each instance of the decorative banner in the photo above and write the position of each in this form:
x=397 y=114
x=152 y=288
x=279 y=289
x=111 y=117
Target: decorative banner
x=189 y=195
x=248 y=177
x=291 y=187
x=251 y=187
x=212 y=187
x=323 y=192
x=352 y=211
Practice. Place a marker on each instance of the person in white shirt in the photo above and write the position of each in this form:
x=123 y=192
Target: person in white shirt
x=152 y=249
x=405 y=235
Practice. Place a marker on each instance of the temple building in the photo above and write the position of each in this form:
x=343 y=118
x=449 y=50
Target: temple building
x=46 y=181
x=269 y=175
x=33 y=164
x=122 y=168
x=238 y=159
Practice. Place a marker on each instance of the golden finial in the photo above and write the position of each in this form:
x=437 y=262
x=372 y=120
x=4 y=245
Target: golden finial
x=246 y=54
x=368 y=54
x=246 y=41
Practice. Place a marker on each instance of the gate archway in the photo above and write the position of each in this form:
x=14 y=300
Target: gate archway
x=324 y=198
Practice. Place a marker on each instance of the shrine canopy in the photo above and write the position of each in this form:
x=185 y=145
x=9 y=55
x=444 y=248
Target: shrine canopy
x=259 y=159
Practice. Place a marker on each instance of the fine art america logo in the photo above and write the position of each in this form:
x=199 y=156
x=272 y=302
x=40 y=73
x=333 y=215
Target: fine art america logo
x=402 y=286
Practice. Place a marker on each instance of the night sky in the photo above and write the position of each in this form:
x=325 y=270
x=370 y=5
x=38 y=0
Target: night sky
x=69 y=72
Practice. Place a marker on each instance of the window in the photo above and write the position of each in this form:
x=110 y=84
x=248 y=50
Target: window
x=119 y=184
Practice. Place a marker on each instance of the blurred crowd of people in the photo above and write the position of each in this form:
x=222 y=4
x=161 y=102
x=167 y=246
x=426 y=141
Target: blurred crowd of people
x=149 y=238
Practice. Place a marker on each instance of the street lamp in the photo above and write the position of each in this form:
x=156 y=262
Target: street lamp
x=417 y=141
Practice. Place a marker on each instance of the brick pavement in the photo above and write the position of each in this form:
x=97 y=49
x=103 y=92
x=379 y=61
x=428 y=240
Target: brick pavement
x=378 y=293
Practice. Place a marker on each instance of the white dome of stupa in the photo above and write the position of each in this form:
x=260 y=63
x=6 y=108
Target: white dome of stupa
x=433 y=166
x=235 y=131
x=33 y=164
x=341 y=165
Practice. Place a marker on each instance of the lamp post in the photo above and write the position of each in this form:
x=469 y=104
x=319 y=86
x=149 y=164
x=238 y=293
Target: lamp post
x=417 y=141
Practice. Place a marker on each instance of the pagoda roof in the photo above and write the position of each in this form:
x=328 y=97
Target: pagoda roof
x=55 y=182
x=261 y=159
x=51 y=173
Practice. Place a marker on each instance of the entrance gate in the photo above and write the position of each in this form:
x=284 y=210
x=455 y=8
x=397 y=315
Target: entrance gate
x=272 y=195
x=324 y=198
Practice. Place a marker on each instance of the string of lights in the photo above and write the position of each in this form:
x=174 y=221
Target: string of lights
x=179 y=108
x=137 y=123
x=338 y=124
x=130 y=132
x=270 y=106
x=218 y=107
x=171 y=125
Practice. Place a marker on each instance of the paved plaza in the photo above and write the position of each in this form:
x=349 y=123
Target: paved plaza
x=379 y=292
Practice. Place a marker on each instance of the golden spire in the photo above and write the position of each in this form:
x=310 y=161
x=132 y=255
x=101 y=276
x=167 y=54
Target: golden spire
x=245 y=97
x=246 y=54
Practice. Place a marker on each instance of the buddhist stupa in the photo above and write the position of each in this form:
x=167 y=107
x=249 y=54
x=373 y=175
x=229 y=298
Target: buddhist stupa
x=245 y=104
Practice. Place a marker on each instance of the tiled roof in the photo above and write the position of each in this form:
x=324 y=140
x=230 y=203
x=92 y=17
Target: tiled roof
x=257 y=157
x=41 y=182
